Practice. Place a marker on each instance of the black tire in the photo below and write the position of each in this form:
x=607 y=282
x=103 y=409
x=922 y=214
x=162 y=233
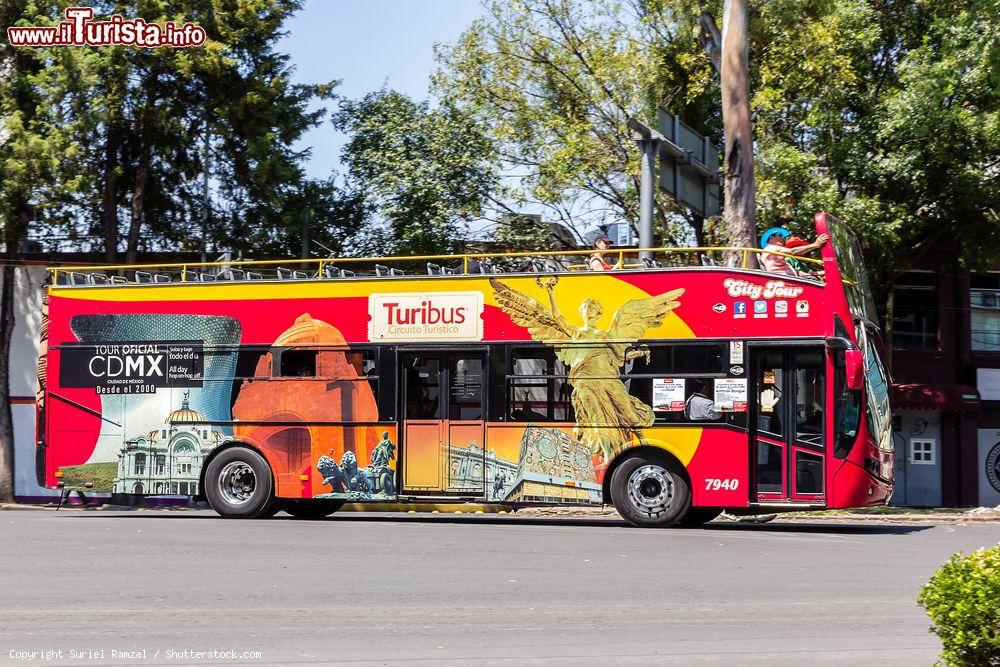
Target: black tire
x=239 y=485
x=650 y=491
x=311 y=509
x=699 y=516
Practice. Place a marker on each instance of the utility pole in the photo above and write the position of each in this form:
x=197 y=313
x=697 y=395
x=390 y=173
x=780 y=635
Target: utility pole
x=729 y=54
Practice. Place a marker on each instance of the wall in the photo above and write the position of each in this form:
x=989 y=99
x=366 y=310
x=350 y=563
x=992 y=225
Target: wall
x=29 y=287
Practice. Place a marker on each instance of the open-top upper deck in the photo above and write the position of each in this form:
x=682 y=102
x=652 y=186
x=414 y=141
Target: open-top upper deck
x=626 y=260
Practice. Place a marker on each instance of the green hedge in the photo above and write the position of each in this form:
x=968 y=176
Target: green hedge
x=963 y=601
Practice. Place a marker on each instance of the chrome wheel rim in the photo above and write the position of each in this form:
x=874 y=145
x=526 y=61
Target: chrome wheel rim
x=237 y=482
x=650 y=489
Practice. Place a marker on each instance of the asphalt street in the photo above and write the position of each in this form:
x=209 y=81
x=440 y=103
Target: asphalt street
x=461 y=589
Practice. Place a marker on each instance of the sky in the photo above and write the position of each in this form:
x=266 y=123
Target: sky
x=368 y=44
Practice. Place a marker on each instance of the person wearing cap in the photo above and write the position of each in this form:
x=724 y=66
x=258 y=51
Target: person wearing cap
x=601 y=245
x=774 y=241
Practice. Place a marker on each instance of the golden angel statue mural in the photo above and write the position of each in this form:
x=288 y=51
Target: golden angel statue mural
x=606 y=415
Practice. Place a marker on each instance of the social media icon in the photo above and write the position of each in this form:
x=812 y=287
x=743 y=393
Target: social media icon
x=760 y=306
x=802 y=308
x=781 y=306
x=740 y=309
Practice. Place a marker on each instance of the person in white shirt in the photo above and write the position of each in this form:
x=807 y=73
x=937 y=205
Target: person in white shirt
x=699 y=407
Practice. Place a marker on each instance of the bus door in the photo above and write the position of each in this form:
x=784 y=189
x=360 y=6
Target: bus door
x=444 y=422
x=787 y=408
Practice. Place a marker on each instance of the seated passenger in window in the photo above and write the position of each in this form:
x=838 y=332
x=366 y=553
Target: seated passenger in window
x=699 y=407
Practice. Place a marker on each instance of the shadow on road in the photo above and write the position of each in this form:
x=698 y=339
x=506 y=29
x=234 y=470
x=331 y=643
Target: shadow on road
x=610 y=522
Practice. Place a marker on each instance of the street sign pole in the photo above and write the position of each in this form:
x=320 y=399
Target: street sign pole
x=688 y=171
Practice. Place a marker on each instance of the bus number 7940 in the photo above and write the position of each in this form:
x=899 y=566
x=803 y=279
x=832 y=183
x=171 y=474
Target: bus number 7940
x=714 y=484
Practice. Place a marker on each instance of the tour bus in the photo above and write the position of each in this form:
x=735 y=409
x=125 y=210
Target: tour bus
x=673 y=387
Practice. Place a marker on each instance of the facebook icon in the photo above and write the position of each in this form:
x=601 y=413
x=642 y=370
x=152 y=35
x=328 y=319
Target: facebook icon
x=740 y=309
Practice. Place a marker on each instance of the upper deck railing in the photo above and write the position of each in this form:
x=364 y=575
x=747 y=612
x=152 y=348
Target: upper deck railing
x=329 y=268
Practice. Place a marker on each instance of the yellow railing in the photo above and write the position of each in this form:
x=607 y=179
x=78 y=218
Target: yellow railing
x=318 y=264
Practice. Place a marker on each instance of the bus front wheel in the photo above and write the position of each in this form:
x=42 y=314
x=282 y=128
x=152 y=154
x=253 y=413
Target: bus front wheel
x=650 y=491
x=239 y=485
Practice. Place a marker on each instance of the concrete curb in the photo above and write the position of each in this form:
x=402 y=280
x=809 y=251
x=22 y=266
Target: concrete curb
x=570 y=512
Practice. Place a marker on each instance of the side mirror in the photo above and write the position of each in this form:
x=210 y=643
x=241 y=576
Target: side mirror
x=854 y=364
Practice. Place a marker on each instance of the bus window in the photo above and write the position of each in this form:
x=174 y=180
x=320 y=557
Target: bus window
x=809 y=399
x=298 y=363
x=846 y=409
x=770 y=402
x=466 y=380
x=423 y=388
x=703 y=359
x=538 y=388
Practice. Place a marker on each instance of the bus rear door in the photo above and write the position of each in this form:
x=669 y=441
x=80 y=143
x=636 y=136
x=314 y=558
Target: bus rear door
x=443 y=422
x=787 y=408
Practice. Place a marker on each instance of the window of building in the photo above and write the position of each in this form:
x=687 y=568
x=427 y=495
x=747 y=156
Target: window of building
x=161 y=464
x=984 y=299
x=140 y=464
x=922 y=451
x=538 y=388
x=915 y=312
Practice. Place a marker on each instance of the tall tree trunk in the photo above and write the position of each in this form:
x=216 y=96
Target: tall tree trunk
x=114 y=134
x=139 y=189
x=109 y=205
x=738 y=215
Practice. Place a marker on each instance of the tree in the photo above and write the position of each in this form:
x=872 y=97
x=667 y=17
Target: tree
x=884 y=112
x=555 y=83
x=154 y=121
x=887 y=114
x=427 y=171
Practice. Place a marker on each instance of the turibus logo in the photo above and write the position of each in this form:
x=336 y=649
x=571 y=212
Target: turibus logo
x=418 y=316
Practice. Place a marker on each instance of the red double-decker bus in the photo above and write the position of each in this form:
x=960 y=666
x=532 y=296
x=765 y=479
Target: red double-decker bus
x=674 y=388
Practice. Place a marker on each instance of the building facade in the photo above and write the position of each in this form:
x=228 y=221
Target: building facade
x=945 y=343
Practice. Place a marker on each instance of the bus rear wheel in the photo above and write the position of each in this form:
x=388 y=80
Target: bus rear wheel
x=311 y=509
x=239 y=485
x=650 y=491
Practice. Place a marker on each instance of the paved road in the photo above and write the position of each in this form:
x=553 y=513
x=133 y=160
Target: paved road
x=442 y=589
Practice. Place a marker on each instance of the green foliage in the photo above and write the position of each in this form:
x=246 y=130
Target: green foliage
x=963 y=601
x=426 y=171
x=125 y=132
x=555 y=83
x=883 y=112
x=886 y=114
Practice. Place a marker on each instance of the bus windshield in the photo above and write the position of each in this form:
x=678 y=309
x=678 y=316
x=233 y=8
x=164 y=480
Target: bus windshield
x=876 y=387
x=852 y=270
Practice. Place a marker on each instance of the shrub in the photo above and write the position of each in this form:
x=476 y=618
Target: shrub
x=963 y=601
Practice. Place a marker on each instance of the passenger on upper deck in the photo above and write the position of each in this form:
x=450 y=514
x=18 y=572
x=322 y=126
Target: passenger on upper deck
x=601 y=244
x=773 y=240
